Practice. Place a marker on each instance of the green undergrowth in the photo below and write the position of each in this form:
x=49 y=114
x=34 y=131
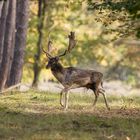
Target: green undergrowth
x=36 y=115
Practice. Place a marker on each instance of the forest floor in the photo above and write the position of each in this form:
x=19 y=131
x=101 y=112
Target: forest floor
x=37 y=115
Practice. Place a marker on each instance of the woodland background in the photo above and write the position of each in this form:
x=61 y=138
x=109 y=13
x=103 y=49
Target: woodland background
x=107 y=35
x=108 y=40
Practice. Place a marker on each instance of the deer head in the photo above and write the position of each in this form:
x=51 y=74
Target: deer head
x=53 y=60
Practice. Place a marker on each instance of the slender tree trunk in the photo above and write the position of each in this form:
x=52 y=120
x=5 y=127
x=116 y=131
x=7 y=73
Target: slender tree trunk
x=10 y=27
x=11 y=60
x=1 y=4
x=41 y=15
x=20 y=42
x=2 y=27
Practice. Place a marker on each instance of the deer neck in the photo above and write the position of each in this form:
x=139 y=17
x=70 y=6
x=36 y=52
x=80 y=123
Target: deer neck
x=58 y=72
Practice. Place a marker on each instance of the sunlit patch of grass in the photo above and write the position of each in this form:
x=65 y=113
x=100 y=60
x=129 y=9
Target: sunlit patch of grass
x=36 y=101
x=38 y=115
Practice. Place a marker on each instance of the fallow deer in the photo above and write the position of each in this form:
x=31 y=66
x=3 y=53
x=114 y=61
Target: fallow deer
x=72 y=77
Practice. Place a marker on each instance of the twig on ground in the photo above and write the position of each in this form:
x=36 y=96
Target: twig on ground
x=10 y=88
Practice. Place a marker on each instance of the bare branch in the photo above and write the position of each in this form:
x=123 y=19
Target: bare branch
x=11 y=88
x=127 y=42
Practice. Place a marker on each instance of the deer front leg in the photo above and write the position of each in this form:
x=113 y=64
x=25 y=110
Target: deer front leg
x=66 y=100
x=65 y=105
x=96 y=97
x=105 y=99
x=61 y=99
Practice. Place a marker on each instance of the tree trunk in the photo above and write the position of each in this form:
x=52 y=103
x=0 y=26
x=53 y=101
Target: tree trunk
x=41 y=16
x=20 y=42
x=1 y=4
x=2 y=27
x=10 y=27
x=11 y=60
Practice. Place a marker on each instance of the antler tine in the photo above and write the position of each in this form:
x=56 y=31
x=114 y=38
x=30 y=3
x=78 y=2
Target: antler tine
x=65 y=52
x=49 y=48
x=72 y=43
x=47 y=54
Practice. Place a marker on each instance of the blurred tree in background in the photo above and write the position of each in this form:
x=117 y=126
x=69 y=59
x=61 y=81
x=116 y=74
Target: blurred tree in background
x=7 y=39
x=60 y=18
x=13 y=27
x=121 y=18
x=107 y=33
x=15 y=74
x=40 y=26
x=97 y=24
x=123 y=12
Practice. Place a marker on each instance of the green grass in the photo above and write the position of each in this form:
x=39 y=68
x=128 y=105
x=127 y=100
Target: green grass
x=35 y=115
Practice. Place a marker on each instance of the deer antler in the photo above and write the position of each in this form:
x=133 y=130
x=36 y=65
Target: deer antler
x=72 y=43
x=49 y=46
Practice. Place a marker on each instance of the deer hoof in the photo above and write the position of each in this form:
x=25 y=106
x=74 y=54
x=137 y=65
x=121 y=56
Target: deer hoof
x=65 y=109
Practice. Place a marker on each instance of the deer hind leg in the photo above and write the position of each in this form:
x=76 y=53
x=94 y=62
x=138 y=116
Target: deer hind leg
x=104 y=99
